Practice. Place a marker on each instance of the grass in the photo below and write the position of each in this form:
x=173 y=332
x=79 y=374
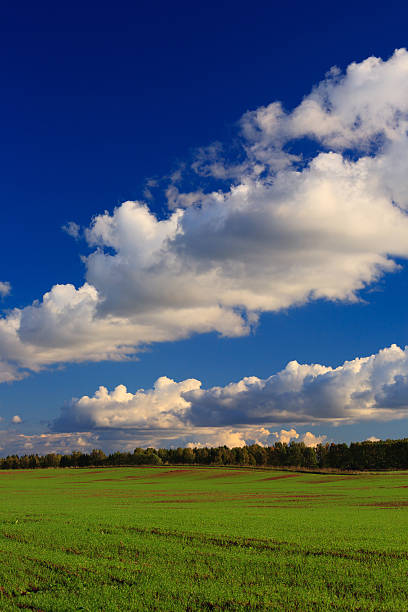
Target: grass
x=202 y=539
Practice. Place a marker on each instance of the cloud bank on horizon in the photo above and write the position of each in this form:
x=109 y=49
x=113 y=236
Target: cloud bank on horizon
x=287 y=229
x=180 y=413
x=111 y=441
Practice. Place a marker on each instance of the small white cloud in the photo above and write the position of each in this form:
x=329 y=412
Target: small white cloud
x=310 y=439
x=16 y=419
x=286 y=436
x=72 y=229
x=5 y=288
x=373 y=439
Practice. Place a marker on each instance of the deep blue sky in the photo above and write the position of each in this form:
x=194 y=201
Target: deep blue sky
x=97 y=98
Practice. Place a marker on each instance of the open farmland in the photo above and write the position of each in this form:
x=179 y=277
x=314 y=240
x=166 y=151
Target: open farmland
x=171 y=538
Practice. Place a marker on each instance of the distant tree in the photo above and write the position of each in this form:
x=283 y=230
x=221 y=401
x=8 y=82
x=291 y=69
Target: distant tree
x=202 y=456
x=309 y=457
x=259 y=453
x=368 y=455
x=152 y=459
x=322 y=451
x=24 y=462
x=188 y=455
x=97 y=457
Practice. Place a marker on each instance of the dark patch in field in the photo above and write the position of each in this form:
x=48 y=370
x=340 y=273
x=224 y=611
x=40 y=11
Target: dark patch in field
x=144 y=482
x=327 y=480
x=259 y=544
x=303 y=496
x=288 y=496
x=124 y=581
x=225 y=605
x=224 y=474
x=72 y=551
x=281 y=477
x=96 y=472
x=24 y=520
x=187 y=500
x=387 y=504
x=124 y=479
x=58 y=567
x=15 y=472
x=174 y=472
x=16 y=537
x=31 y=589
x=395 y=474
x=12 y=594
x=276 y=506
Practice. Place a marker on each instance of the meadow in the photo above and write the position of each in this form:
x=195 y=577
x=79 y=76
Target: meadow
x=187 y=538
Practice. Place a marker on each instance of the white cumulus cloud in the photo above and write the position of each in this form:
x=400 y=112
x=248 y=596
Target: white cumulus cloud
x=286 y=229
x=244 y=412
x=374 y=387
x=286 y=436
x=162 y=407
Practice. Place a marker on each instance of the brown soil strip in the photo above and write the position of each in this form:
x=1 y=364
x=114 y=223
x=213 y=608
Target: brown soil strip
x=387 y=504
x=281 y=477
x=327 y=480
x=277 y=506
x=96 y=472
x=224 y=474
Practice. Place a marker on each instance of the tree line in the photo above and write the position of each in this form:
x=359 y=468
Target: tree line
x=381 y=455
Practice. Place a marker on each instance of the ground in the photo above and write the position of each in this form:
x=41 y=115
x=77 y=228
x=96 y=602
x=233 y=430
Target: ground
x=166 y=538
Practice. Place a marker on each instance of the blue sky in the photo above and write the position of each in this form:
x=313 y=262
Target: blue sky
x=106 y=105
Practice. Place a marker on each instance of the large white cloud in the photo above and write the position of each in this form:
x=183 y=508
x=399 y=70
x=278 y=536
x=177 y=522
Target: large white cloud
x=162 y=407
x=287 y=229
x=374 y=387
x=362 y=109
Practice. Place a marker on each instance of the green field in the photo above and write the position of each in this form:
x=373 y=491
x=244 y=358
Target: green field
x=172 y=538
